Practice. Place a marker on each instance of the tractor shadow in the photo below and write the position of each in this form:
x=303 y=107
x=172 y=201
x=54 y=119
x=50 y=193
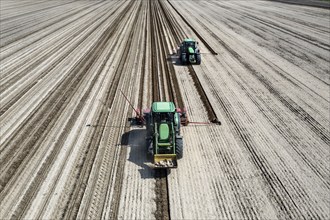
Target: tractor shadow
x=174 y=59
x=135 y=141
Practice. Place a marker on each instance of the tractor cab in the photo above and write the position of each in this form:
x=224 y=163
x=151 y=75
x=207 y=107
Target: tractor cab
x=191 y=44
x=163 y=113
x=189 y=52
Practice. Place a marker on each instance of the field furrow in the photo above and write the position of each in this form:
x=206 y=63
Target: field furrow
x=256 y=147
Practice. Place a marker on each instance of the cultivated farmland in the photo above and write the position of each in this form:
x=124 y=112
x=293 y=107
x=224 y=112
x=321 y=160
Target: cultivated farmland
x=68 y=151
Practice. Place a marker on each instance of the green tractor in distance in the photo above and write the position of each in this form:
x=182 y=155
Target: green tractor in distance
x=189 y=52
x=163 y=139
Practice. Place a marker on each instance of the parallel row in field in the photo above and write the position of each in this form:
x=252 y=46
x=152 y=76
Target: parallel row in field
x=62 y=112
x=270 y=88
x=66 y=150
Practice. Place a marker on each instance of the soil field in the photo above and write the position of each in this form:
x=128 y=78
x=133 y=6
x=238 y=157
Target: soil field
x=67 y=150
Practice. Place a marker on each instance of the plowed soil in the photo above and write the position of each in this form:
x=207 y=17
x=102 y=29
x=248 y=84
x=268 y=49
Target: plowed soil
x=68 y=151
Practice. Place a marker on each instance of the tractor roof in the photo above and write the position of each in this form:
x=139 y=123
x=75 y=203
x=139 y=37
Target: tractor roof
x=189 y=40
x=163 y=107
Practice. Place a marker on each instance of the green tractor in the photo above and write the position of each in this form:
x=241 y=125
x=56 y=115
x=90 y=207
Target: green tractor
x=189 y=52
x=163 y=139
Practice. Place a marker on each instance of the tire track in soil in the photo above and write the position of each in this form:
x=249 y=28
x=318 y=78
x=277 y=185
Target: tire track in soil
x=278 y=186
x=288 y=52
x=138 y=195
x=53 y=64
x=277 y=189
x=83 y=174
x=234 y=11
x=34 y=11
x=42 y=173
x=207 y=104
x=155 y=85
x=143 y=67
x=274 y=117
x=115 y=203
x=243 y=197
x=306 y=118
x=301 y=193
x=312 y=26
x=118 y=182
x=13 y=73
x=99 y=186
x=162 y=194
x=318 y=4
x=194 y=30
x=172 y=84
x=277 y=69
x=178 y=35
x=122 y=153
x=173 y=92
x=161 y=187
x=28 y=134
x=78 y=75
x=20 y=138
x=273 y=25
x=291 y=138
x=280 y=193
x=269 y=175
x=162 y=201
x=47 y=24
x=285 y=50
x=18 y=74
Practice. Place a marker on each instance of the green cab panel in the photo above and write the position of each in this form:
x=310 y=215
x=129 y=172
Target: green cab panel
x=162 y=107
x=164 y=132
x=191 y=50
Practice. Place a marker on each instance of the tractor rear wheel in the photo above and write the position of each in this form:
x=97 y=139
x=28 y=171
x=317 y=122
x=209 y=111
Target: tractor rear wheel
x=179 y=147
x=148 y=143
x=198 y=59
x=183 y=59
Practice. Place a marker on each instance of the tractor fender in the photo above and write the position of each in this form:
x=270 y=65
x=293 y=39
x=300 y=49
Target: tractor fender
x=146 y=111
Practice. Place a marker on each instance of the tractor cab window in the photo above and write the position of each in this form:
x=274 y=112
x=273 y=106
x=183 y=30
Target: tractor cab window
x=157 y=117
x=163 y=117
x=160 y=117
x=190 y=44
x=170 y=117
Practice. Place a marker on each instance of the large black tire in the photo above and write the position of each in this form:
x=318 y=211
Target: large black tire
x=183 y=59
x=148 y=142
x=198 y=59
x=179 y=147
